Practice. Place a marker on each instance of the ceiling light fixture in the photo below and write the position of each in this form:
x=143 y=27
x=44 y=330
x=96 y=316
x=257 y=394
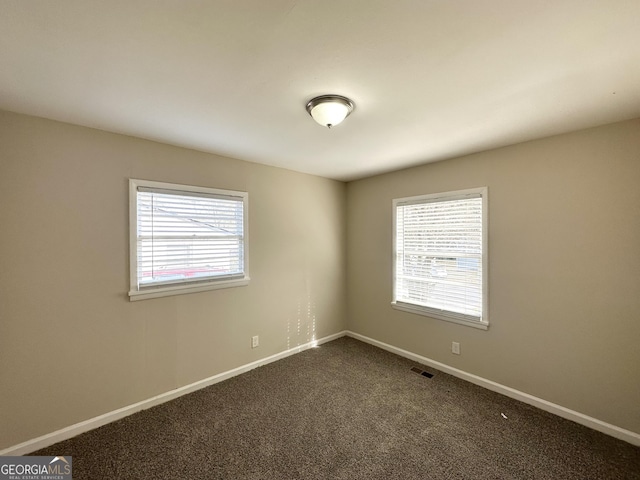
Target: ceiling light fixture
x=330 y=110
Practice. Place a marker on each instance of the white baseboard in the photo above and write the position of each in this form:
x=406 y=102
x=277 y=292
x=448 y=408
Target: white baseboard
x=92 y=423
x=582 y=419
x=78 y=428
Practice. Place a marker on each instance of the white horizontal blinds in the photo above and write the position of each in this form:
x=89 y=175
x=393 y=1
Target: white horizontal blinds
x=439 y=255
x=188 y=236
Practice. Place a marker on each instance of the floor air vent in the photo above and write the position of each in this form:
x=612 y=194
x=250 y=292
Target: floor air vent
x=421 y=372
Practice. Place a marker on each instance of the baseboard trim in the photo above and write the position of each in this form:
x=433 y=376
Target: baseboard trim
x=582 y=419
x=92 y=423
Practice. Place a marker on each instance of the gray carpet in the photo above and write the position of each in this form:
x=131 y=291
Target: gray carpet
x=346 y=410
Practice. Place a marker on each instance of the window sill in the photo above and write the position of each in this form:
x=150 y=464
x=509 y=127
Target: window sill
x=135 y=295
x=438 y=315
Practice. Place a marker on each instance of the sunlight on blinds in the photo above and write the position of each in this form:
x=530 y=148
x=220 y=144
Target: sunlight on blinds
x=439 y=255
x=188 y=237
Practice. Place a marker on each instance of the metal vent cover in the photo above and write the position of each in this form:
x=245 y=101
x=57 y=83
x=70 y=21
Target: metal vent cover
x=419 y=371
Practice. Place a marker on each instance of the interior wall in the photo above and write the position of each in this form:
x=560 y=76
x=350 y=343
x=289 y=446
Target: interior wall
x=564 y=233
x=72 y=346
x=564 y=269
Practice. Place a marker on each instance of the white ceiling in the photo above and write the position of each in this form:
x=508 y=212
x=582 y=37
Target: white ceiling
x=431 y=79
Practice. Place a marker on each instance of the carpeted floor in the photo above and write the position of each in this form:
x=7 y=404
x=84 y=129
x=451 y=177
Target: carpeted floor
x=346 y=410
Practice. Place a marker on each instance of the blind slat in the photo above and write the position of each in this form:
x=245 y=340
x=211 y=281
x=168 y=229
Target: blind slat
x=439 y=247
x=188 y=236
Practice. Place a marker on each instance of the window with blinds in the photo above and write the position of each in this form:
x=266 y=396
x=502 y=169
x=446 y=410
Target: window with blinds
x=186 y=239
x=440 y=256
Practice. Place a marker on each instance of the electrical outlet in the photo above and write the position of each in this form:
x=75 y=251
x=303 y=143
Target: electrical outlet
x=455 y=348
x=255 y=341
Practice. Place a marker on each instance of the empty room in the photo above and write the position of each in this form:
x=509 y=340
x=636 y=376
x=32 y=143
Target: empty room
x=302 y=239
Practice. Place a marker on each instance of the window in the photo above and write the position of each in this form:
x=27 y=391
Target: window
x=440 y=256
x=186 y=239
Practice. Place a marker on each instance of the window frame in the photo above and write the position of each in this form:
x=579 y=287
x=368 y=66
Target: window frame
x=136 y=292
x=432 y=312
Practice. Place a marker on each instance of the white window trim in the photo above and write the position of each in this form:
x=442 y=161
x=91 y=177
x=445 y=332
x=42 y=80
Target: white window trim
x=135 y=293
x=434 y=312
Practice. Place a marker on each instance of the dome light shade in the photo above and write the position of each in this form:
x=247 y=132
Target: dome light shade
x=330 y=110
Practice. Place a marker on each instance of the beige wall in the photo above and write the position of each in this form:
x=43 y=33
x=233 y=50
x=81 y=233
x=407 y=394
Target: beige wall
x=564 y=269
x=564 y=272
x=72 y=346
